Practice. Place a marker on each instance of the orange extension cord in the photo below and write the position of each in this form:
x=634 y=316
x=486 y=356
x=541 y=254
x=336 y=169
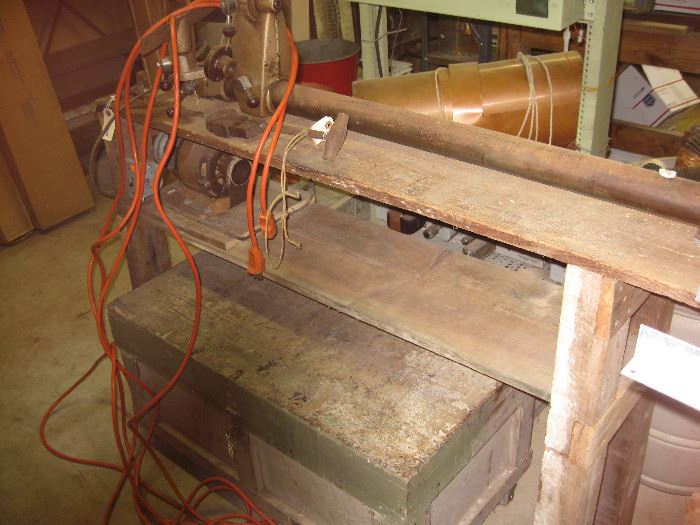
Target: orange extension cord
x=256 y=261
x=133 y=446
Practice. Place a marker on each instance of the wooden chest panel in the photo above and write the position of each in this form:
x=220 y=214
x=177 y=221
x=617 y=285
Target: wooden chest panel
x=387 y=422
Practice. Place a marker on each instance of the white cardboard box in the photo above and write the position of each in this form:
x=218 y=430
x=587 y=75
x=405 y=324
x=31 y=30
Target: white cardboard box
x=678 y=6
x=650 y=98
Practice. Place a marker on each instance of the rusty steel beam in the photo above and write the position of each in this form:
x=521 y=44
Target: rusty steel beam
x=605 y=179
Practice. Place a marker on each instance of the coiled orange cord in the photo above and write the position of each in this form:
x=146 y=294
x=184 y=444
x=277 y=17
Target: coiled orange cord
x=133 y=446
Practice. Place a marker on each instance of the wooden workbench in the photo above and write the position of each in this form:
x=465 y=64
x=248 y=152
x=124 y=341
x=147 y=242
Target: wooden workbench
x=566 y=346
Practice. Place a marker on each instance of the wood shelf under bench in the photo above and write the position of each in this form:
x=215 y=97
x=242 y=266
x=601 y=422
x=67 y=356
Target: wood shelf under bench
x=498 y=322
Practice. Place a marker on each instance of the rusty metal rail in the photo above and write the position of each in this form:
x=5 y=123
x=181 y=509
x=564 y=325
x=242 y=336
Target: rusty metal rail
x=609 y=180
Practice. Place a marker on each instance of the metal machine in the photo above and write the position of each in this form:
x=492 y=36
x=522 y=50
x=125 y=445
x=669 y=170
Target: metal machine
x=257 y=31
x=543 y=14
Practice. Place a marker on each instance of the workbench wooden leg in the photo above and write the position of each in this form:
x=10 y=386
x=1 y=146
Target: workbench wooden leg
x=625 y=458
x=623 y=467
x=148 y=254
x=586 y=407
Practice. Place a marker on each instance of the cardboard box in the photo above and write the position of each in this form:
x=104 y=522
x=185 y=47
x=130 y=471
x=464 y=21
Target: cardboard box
x=678 y=6
x=652 y=97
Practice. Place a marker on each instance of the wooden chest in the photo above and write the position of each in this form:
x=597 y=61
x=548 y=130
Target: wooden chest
x=324 y=419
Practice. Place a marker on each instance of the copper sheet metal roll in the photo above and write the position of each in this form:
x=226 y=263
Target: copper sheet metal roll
x=493 y=95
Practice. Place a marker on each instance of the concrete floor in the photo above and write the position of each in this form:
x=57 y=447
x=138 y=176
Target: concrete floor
x=48 y=339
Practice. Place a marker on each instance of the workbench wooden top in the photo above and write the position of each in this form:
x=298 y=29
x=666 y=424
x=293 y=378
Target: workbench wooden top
x=651 y=252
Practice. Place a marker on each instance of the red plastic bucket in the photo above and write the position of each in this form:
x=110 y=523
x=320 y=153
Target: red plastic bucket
x=331 y=62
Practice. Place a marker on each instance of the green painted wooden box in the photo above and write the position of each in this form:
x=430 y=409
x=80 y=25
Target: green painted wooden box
x=323 y=418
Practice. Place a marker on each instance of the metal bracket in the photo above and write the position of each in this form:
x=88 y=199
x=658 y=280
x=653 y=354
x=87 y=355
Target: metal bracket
x=667 y=364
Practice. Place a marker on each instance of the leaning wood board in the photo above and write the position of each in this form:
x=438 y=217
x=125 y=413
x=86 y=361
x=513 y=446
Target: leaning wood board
x=14 y=219
x=497 y=322
x=33 y=133
x=651 y=252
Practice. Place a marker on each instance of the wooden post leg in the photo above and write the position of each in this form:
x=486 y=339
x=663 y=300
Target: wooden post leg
x=623 y=467
x=625 y=458
x=148 y=254
x=591 y=345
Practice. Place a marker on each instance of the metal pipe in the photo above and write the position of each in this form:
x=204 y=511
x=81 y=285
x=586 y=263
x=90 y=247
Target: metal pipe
x=613 y=181
x=483 y=32
x=424 y=42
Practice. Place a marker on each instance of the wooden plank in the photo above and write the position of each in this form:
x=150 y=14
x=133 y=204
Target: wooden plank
x=79 y=21
x=90 y=53
x=662 y=45
x=625 y=454
x=498 y=322
x=100 y=78
x=628 y=299
x=667 y=17
x=148 y=254
x=623 y=467
x=589 y=443
x=656 y=312
x=586 y=377
x=650 y=252
x=40 y=152
x=644 y=140
x=14 y=219
x=588 y=408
